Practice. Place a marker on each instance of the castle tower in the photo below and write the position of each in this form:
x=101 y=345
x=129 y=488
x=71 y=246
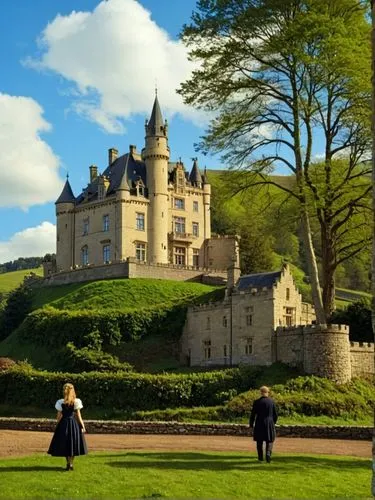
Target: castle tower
x=156 y=155
x=65 y=229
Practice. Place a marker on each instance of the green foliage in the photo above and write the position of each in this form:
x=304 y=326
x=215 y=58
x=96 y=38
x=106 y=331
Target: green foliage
x=121 y=390
x=18 y=305
x=312 y=396
x=90 y=359
x=358 y=316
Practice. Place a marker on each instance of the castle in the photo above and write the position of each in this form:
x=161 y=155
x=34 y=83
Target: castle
x=143 y=209
x=263 y=320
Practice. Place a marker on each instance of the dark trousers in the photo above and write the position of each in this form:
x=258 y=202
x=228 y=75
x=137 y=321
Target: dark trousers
x=269 y=446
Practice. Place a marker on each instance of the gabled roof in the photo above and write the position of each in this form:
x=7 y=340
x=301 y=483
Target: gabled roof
x=259 y=280
x=66 y=195
x=155 y=125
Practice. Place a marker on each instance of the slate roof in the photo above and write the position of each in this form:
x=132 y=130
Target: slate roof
x=125 y=168
x=66 y=195
x=259 y=280
x=195 y=176
x=155 y=125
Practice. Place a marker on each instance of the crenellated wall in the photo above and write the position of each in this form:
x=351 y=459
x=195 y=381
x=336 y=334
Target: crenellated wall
x=362 y=358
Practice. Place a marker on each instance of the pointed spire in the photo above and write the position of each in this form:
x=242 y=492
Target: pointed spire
x=66 y=195
x=124 y=185
x=195 y=176
x=155 y=126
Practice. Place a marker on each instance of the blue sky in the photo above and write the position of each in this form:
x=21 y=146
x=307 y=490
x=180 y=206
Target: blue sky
x=78 y=77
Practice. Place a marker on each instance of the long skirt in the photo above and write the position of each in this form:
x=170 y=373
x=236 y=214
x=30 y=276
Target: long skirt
x=68 y=439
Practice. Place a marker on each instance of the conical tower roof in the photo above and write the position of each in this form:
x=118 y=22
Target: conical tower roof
x=195 y=176
x=155 y=126
x=66 y=195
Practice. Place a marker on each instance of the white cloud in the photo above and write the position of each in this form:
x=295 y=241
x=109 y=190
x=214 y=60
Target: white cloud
x=115 y=55
x=28 y=166
x=31 y=242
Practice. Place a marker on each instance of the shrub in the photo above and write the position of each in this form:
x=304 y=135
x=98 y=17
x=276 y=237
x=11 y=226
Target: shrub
x=90 y=359
x=17 y=306
x=358 y=316
x=6 y=363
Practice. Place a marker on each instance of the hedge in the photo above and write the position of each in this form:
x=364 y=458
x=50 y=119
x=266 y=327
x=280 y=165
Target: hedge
x=54 y=328
x=25 y=386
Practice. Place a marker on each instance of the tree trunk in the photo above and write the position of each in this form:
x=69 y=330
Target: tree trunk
x=373 y=199
x=328 y=269
x=313 y=268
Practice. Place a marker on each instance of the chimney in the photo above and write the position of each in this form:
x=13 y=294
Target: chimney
x=112 y=155
x=93 y=172
x=132 y=149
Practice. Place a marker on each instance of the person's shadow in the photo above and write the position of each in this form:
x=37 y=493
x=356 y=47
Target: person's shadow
x=31 y=468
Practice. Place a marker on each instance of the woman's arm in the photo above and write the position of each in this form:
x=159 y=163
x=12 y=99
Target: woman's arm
x=78 y=416
x=58 y=416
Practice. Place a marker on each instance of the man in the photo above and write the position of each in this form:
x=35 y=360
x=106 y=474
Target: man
x=265 y=417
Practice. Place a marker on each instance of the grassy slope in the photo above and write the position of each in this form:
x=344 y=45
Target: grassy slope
x=150 y=474
x=122 y=295
x=9 y=281
x=152 y=354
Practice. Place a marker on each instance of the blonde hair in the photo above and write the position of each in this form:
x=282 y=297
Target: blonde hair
x=264 y=390
x=69 y=394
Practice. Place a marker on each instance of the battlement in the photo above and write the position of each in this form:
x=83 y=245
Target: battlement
x=203 y=270
x=313 y=329
x=362 y=346
x=210 y=306
x=224 y=236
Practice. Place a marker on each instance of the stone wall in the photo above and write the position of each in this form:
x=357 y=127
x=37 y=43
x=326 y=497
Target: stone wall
x=132 y=268
x=138 y=427
x=362 y=358
x=289 y=345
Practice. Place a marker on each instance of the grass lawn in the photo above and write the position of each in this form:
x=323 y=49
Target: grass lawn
x=9 y=281
x=186 y=475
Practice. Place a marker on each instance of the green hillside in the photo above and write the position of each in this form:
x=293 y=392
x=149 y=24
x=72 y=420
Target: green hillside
x=121 y=294
x=9 y=281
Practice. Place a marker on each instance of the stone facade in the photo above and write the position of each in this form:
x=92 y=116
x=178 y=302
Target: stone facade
x=263 y=320
x=143 y=207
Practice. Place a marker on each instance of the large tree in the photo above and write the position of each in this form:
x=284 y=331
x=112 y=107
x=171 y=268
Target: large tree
x=284 y=78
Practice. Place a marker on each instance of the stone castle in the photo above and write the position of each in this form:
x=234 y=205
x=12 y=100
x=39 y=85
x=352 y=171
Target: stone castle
x=145 y=216
x=142 y=214
x=263 y=320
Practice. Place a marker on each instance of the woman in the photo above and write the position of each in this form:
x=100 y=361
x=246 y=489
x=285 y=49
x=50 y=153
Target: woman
x=68 y=439
x=265 y=417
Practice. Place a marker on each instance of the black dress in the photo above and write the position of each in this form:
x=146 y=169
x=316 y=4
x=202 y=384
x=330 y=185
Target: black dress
x=265 y=416
x=68 y=439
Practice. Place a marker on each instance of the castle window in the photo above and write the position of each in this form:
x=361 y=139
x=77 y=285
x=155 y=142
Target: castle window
x=225 y=321
x=106 y=254
x=140 y=252
x=195 y=229
x=249 y=309
x=289 y=316
x=287 y=295
x=84 y=255
x=208 y=323
x=179 y=225
x=207 y=349
x=179 y=256
x=249 y=346
x=195 y=257
x=195 y=206
x=105 y=222
x=249 y=319
x=225 y=351
x=86 y=226
x=179 y=203
x=140 y=221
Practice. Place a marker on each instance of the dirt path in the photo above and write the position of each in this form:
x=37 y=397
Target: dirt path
x=18 y=443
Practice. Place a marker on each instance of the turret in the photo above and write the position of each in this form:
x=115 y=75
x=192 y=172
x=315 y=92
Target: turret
x=65 y=228
x=156 y=155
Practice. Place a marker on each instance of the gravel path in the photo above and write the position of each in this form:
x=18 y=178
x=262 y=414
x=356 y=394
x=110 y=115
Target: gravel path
x=21 y=443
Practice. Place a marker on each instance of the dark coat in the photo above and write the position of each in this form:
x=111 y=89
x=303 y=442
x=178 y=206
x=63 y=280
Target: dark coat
x=265 y=417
